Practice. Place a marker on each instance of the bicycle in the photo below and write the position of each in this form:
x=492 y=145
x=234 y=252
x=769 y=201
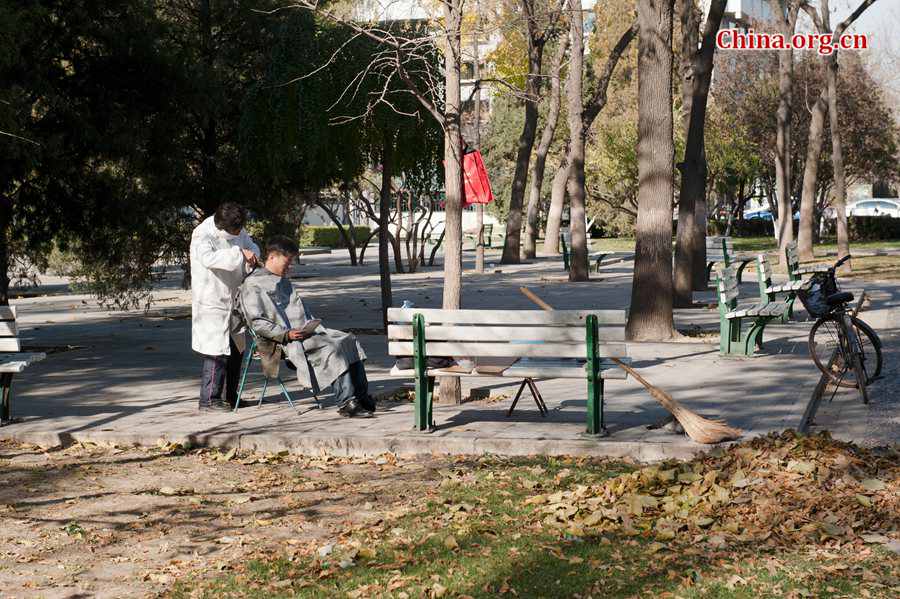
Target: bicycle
x=842 y=346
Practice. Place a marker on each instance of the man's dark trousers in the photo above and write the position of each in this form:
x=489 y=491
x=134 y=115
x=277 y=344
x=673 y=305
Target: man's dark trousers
x=352 y=384
x=221 y=374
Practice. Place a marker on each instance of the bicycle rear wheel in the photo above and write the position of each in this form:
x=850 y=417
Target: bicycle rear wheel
x=831 y=351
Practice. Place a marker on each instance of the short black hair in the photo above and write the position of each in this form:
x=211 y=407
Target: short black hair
x=282 y=245
x=230 y=216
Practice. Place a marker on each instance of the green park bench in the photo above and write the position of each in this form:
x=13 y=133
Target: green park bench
x=770 y=292
x=473 y=235
x=520 y=344
x=733 y=340
x=12 y=360
x=721 y=250
x=565 y=240
x=795 y=270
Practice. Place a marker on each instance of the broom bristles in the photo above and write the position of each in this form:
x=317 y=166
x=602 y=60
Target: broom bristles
x=698 y=428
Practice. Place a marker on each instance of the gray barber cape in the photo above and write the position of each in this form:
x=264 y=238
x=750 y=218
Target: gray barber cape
x=271 y=306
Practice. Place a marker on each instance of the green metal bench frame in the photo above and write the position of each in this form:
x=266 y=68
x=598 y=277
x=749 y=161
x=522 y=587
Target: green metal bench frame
x=597 y=257
x=733 y=340
x=729 y=257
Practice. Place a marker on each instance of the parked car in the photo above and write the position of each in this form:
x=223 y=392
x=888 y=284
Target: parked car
x=764 y=215
x=875 y=207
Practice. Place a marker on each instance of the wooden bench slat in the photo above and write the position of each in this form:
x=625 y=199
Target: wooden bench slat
x=505 y=317
x=534 y=369
x=9 y=344
x=7 y=312
x=572 y=334
x=504 y=350
x=17 y=362
x=8 y=328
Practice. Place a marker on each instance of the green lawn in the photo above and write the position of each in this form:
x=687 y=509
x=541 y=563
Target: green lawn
x=778 y=517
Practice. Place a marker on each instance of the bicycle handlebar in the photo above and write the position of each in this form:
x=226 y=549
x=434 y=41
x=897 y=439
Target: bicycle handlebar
x=840 y=262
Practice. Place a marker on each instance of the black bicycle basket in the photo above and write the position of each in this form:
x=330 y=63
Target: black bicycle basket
x=815 y=292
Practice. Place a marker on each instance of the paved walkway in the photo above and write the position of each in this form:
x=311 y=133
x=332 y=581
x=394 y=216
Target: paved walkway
x=131 y=377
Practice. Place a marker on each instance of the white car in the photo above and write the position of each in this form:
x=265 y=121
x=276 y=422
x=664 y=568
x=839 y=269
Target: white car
x=875 y=207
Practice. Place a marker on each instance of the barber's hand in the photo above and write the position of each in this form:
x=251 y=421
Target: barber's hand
x=297 y=335
x=250 y=258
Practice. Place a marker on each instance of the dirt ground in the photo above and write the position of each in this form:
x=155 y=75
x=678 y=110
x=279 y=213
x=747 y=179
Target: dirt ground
x=106 y=521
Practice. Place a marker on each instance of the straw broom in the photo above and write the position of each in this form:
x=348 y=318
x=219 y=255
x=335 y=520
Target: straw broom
x=698 y=428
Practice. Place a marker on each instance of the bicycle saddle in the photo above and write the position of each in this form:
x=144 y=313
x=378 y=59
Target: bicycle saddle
x=843 y=297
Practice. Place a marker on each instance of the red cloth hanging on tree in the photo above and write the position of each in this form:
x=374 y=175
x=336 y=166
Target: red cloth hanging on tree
x=477 y=187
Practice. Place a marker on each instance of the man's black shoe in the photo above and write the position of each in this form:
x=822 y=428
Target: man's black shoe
x=353 y=409
x=368 y=403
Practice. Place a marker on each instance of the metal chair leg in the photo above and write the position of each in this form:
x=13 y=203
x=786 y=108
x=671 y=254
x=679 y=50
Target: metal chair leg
x=262 y=395
x=516 y=400
x=248 y=359
x=284 y=392
x=542 y=407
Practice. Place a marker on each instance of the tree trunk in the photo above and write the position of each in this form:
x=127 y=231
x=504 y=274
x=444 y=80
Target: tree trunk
x=349 y=241
x=810 y=178
x=784 y=226
x=557 y=203
x=351 y=245
x=511 y=250
x=384 y=211
x=578 y=265
x=689 y=257
x=5 y=221
x=532 y=219
x=479 y=208
x=650 y=317
x=453 y=180
x=839 y=200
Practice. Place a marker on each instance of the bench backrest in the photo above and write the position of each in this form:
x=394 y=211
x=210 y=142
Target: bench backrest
x=718 y=249
x=764 y=273
x=728 y=289
x=793 y=260
x=506 y=333
x=9 y=334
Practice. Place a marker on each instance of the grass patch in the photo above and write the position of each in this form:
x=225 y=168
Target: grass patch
x=526 y=528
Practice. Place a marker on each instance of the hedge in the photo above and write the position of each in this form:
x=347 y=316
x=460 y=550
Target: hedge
x=868 y=228
x=755 y=227
x=329 y=236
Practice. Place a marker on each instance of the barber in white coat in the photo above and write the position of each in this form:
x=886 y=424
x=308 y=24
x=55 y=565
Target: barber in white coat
x=222 y=254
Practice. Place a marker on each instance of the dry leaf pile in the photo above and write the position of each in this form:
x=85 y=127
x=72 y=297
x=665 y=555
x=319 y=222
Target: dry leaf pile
x=780 y=490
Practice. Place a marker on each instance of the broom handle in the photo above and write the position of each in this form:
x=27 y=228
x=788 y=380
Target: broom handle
x=544 y=305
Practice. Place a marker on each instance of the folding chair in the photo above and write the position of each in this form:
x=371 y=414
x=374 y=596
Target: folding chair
x=249 y=356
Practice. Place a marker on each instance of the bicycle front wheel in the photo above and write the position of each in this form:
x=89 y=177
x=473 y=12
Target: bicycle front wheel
x=831 y=351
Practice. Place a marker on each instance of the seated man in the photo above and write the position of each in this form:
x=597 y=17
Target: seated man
x=274 y=310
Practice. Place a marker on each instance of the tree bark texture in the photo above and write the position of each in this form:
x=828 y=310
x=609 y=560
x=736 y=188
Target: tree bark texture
x=690 y=245
x=384 y=218
x=532 y=216
x=511 y=251
x=453 y=179
x=814 y=144
x=578 y=265
x=557 y=203
x=650 y=316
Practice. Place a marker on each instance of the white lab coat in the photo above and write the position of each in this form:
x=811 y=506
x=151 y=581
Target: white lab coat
x=217 y=270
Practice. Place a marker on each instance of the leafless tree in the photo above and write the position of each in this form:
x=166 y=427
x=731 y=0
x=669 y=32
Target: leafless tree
x=825 y=103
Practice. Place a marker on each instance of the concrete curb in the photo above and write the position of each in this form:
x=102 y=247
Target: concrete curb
x=405 y=445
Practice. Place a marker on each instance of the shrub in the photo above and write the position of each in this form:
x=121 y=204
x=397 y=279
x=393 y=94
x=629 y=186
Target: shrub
x=868 y=228
x=329 y=236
